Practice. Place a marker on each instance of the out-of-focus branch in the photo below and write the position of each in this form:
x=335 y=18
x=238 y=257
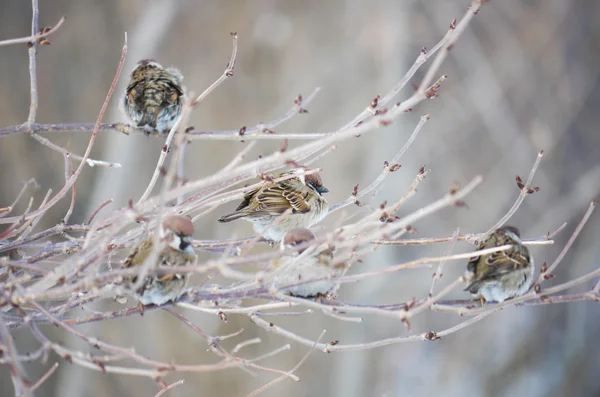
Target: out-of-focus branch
x=287 y=374
x=169 y=387
x=45 y=377
x=17 y=372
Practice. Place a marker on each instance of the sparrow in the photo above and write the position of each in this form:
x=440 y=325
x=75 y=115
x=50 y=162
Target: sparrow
x=501 y=275
x=154 y=97
x=290 y=270
x=301 y=196
x=159 y=289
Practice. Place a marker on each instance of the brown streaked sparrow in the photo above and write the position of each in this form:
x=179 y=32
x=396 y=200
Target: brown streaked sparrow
x=501 y=275
x=177 y=232
x=301 y=196
x=294 y=269
x=154 y=97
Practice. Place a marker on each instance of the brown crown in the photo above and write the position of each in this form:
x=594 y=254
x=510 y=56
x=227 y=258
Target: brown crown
x=298 y=236
x=145 y=62
x=179 y=225
x=314 y=179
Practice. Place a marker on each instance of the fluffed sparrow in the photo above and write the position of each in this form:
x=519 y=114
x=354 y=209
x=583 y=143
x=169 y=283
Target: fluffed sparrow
x=177 y=232
x=154 y=97
x=501 y=275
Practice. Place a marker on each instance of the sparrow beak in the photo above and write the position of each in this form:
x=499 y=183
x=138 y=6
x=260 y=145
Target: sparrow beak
x=322 y=189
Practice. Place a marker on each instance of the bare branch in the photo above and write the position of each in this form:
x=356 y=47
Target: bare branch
x=36 y=37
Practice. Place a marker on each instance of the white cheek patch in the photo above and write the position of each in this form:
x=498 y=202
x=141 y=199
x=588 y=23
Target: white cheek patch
x=175 y=242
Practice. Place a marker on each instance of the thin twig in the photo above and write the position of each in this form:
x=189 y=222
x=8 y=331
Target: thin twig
x=388 y=168
x=17 y=372
x=36 y=36
x=44 y=377
x=291 y=371
x=565 y=249
x=169 y=387
x=438 y=273
x=8 y=210
x=523 y=193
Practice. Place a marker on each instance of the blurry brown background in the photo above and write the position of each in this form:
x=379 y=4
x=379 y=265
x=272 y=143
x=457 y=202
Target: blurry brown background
x=523 y=77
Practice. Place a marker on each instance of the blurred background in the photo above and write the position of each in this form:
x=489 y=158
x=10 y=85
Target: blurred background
x=523 y=77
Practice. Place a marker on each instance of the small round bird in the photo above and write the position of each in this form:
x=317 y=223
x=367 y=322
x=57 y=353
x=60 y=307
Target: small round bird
x=275 y=208
x=501 y=275
x=154 y=97
x=159 y=289
x=292 y=271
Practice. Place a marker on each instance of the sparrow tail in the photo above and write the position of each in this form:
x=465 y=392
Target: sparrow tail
x=232 y=217
x=148 y=117
x=473 y=287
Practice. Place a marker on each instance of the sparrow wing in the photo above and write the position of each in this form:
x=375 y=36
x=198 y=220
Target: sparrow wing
x=277 y=199
x=472 y=265
x=135 y=94
x=246 y=207
x=497 y=264
x=170 y=78
x=139 y=254
x=173 y=258
x=247 y=199
x=273 y=199
x=501 y=263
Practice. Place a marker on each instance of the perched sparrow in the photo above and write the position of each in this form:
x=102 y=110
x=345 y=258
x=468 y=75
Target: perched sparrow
x=154 y=97
x=501 y=275
x=302 y=195
x=294 y=269
x=177 y=231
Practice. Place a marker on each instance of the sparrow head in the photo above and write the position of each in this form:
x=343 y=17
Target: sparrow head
x=178 y=231
x=149 y=68
x=512 y=232
x=296 y=237
x=313 y=181
x=505 y=274
x=147 y=64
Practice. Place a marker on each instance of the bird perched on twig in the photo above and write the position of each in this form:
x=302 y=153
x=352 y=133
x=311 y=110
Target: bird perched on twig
x=501 y=275
x=302 y=267
x=154 y=97
x=158 y=289
x=298 y=199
